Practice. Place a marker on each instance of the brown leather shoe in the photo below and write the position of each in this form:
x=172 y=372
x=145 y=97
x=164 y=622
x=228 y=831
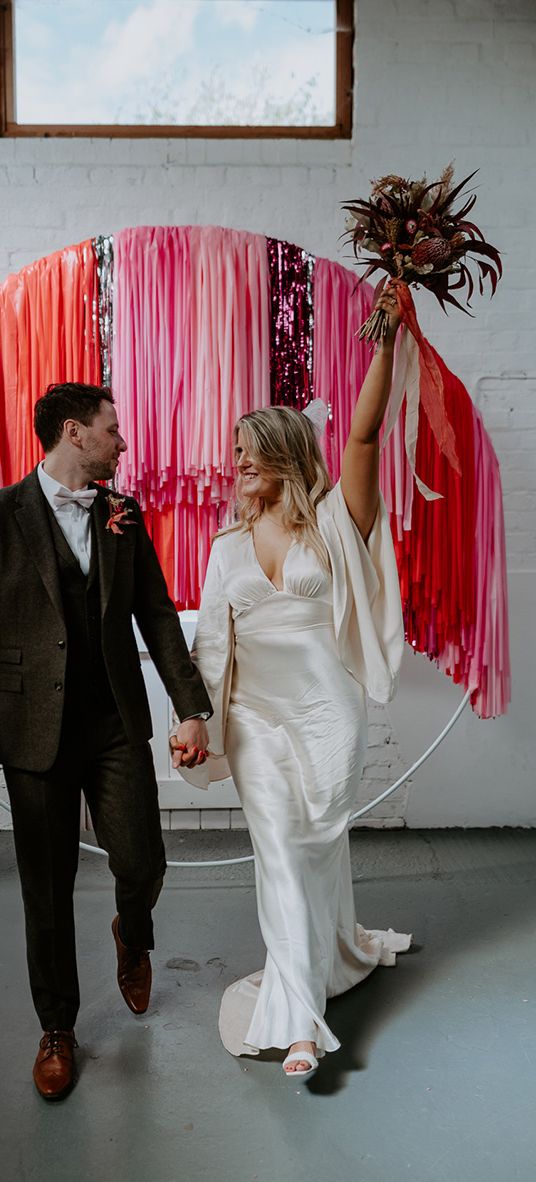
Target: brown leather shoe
x=54 y=1070
x=134 y=974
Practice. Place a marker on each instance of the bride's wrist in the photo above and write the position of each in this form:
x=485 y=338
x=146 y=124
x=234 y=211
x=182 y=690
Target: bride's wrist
x=385 y=347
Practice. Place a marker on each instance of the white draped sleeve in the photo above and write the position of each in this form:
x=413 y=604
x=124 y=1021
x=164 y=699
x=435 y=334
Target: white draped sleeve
x=366 y=596
x=212 y=652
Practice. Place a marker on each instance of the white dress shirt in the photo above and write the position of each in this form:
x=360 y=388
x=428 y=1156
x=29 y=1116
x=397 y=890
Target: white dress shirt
x=73 y=519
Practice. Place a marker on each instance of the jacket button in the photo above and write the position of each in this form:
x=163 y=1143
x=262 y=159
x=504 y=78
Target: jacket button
x=61 y=644
x=58 y=685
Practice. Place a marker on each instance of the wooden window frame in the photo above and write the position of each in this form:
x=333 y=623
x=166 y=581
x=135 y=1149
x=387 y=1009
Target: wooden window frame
x=341 y=129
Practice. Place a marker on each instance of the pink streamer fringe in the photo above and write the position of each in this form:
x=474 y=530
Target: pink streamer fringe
x=191 y=355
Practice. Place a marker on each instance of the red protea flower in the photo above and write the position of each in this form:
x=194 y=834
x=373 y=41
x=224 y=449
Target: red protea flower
x=437 y=251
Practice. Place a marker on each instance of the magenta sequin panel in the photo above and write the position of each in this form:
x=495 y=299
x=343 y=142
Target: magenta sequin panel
x=102 y=312
x=291 y=332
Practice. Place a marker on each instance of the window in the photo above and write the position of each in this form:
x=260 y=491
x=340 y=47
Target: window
x=177 y=67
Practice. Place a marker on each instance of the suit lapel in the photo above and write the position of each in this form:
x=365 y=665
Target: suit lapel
x=106 y=543
x=33 y=521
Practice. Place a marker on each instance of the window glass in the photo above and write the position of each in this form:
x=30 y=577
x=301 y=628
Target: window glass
x=186 y=62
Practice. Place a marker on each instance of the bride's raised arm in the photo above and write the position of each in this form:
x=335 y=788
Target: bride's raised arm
x=361 y=458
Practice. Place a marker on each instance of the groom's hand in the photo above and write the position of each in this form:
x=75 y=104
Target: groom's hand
x=188 y=743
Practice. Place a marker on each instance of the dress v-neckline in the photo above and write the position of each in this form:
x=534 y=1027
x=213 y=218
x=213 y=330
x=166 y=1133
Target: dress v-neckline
x=278 y=590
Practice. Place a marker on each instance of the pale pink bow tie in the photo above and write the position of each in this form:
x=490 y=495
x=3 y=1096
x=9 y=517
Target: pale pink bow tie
x=81 y=496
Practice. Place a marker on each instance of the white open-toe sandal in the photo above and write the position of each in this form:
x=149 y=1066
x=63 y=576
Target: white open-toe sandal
x=301 y=1057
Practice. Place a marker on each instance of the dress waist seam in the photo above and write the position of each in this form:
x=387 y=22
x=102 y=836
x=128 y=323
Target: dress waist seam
x=276 y=627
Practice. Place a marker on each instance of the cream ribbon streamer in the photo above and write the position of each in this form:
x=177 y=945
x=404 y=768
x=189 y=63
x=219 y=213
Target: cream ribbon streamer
x=406 y=381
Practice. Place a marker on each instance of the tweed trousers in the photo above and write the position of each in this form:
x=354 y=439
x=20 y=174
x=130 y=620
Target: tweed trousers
x=119 y=783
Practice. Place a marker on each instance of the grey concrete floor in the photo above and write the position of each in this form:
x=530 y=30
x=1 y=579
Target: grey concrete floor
x=435 y=1081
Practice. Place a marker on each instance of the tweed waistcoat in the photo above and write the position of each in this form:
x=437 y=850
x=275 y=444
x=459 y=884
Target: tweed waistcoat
x=86 y=679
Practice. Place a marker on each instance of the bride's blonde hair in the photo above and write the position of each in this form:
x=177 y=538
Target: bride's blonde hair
x=284 y=444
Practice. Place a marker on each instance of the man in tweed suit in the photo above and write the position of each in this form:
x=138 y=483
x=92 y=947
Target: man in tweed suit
x=76 y=563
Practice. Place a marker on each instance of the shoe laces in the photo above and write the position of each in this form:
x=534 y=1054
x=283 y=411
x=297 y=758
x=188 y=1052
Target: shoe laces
x=53 y=1041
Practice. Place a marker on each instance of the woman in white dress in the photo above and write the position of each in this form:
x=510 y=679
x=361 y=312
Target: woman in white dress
x=300 y=618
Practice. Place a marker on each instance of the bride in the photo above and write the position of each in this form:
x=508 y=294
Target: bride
x=300 y=618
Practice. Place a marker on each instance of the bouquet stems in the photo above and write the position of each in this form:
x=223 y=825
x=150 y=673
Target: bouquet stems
x=374 y=329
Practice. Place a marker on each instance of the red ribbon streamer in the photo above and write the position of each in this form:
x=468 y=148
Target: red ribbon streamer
x=432 y=390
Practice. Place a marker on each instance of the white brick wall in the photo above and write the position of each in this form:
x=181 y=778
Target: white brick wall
x=508 y=406
x=435 y=80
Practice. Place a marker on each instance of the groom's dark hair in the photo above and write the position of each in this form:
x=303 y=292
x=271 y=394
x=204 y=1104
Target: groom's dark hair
x=66 y=400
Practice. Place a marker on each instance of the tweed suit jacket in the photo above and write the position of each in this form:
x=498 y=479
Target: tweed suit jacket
x=34 y=639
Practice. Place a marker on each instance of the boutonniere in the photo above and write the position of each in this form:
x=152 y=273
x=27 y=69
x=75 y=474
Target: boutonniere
x=118 y=514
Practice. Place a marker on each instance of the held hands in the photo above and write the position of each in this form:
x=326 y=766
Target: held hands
x=188 y=743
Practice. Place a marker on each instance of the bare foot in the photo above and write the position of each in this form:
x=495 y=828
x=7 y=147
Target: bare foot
x=300 y=1064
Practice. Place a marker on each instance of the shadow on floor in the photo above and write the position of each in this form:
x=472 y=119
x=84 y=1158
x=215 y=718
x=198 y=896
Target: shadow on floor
x=472 y=910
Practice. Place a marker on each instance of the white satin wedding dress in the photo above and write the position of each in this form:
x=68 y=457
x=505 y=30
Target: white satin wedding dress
x=288 y=671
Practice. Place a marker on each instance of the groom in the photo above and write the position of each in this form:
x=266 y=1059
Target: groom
x=76 y=563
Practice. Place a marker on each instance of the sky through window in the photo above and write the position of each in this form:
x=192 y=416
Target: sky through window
x=186 y=62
